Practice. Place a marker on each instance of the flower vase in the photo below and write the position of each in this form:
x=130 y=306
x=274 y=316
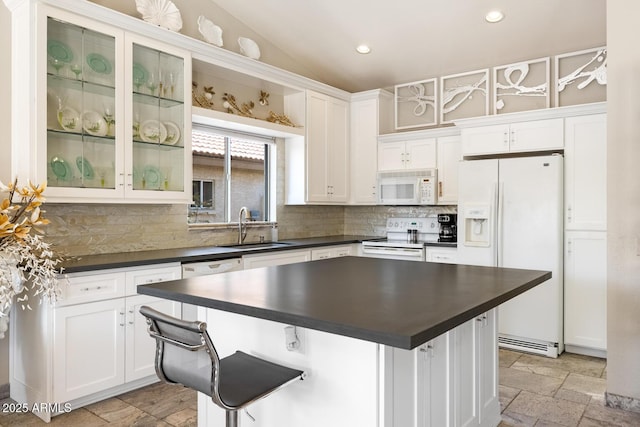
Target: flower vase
x=11 y=284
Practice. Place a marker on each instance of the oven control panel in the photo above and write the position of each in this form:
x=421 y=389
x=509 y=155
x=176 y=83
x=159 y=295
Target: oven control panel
x=423 y=225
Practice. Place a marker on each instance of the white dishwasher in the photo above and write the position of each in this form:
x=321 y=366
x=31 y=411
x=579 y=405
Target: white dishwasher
x=206 y=268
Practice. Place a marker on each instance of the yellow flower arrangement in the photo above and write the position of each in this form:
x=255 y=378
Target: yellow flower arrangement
x=26 y=261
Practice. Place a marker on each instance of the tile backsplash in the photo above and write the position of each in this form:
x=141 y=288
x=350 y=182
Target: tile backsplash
x=90 y=229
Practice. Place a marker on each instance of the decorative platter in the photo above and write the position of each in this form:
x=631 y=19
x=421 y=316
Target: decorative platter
x=61 y=168
x=69 y=119
x=139 y=73
x=173 y=133
x=94 y=124
x=153 y=131
x=249 y=48
x=99 y=63
x=162 y=13
x=151 y=177
x=210 y=31
x=60 y=51
x=85 y=167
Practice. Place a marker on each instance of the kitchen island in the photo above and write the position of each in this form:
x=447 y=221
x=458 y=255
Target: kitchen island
x=384 y=342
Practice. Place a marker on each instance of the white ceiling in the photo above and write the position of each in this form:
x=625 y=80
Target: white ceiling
x=418 y=39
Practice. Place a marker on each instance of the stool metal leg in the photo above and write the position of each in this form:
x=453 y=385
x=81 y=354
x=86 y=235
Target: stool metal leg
x=232 y=418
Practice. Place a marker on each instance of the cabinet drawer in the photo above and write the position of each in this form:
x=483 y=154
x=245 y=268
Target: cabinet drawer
x=446 y=256
x=331 y=252
x=93 y=287
x=160 y=273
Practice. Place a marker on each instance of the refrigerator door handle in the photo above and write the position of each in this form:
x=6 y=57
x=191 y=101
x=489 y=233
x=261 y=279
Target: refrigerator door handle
x=499 y=204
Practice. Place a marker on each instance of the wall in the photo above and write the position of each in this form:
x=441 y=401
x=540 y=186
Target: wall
x=623 y=205
x=5 y=154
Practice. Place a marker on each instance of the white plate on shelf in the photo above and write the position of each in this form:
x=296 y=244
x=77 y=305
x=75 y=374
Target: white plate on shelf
x=69 y=119
x=153 y=131
x=173 y=133
x=94 y=124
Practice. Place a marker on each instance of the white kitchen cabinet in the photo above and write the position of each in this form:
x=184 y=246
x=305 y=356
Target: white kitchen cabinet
x=534 y=135
x=92 y=344
x=276 y=258
x=465 y=386
x=103 y=344
x=585 y=289
x=327 y=145
x=488 y=354
x=585 y=261
x=586 y=172
x=333 y=252
x=449 y=154
x=475 y=371
x=414 y=154
x=442 y=254
x=421 y=388
x=89 y=349
x=434 y=382
x=110 y=119
x=139 y=346
x=370 y=116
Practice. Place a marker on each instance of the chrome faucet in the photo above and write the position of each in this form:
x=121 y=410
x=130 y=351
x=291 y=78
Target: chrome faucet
x=242 y=231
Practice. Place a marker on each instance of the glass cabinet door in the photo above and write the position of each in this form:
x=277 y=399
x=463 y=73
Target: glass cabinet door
x=158 y=120
x=81 y=102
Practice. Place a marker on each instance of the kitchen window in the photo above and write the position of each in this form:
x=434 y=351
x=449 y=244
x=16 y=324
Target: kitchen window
x=202 y=194
x=231 y=170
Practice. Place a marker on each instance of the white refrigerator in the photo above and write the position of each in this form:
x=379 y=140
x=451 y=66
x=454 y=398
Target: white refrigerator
x=510 y=215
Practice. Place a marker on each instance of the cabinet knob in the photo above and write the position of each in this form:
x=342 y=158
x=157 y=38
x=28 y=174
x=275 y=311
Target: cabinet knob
x=439 y=188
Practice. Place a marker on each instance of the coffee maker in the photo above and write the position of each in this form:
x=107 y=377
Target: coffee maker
x=448 y=228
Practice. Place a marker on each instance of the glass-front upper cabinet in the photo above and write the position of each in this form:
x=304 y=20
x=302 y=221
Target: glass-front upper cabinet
x=158 y=120
x=82 y=104
x=117 y=125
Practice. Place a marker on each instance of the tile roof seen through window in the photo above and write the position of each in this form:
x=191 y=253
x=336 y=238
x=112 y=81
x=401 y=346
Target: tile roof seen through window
x=211 y=144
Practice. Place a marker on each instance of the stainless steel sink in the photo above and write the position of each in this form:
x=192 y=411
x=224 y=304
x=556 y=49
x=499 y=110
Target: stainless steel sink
x=255 y=246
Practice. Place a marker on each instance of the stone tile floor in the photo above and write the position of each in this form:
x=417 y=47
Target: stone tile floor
x=158 y=405
x=567 y=391
x=534 y=391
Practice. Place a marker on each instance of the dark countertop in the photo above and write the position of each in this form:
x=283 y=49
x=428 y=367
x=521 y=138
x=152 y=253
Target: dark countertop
x=208 y=253
x=398 y=303
x=442 y=244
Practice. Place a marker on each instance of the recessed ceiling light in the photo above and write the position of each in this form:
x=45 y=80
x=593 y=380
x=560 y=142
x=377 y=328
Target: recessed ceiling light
x=494 y=16
x=363 y=49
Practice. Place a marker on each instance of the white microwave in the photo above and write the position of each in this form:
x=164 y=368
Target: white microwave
x=416 y=187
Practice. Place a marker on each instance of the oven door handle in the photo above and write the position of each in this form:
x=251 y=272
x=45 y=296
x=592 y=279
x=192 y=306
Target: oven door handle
x=386 y=250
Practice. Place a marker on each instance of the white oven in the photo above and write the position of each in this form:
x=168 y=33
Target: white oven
x=401 y=243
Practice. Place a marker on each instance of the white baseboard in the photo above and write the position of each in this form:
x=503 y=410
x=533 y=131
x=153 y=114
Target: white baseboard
x=586 y=351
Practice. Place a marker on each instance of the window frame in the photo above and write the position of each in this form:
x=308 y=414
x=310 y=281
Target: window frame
x=270 y=168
